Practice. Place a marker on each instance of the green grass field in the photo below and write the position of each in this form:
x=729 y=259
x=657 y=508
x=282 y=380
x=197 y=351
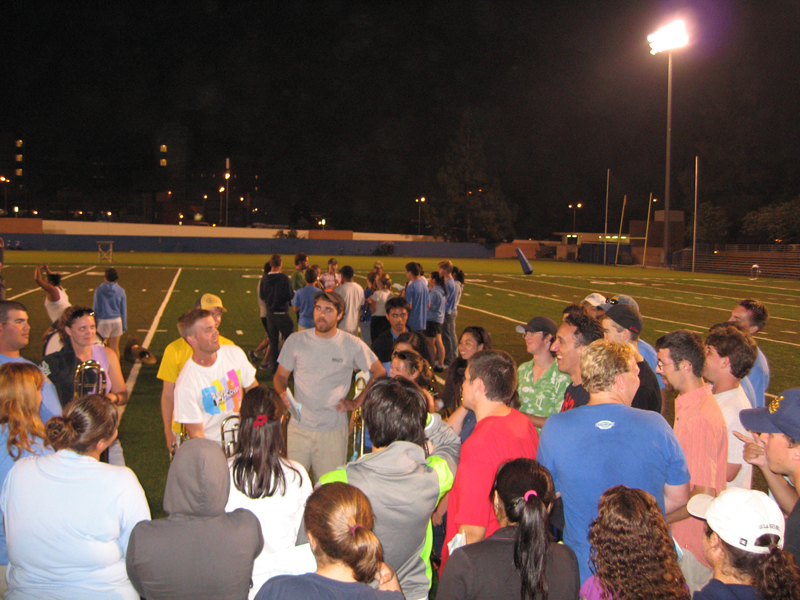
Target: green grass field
x=160 y=287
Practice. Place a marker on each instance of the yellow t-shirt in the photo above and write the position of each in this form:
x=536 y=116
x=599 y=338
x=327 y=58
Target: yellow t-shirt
x=175 y=356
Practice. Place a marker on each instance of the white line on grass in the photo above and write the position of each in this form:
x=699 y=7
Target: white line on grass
x=692 y=325
x=36 y=289
x=134 y=374
x=659 y=299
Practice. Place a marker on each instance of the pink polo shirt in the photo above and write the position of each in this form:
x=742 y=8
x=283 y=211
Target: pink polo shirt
x=701 y=432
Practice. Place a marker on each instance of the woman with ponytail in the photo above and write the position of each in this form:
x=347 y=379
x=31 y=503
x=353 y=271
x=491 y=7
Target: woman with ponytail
x=338 y=521
x=68 y=517
x=264 y=481
x=744 y=535
x=519 y=561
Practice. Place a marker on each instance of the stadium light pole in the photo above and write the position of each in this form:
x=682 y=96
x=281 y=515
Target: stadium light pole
x=666 y=40
x=574 y=208
x=419 y=202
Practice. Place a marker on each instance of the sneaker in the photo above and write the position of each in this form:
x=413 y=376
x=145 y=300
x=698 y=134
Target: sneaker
x=438 y=369
x=253 y=357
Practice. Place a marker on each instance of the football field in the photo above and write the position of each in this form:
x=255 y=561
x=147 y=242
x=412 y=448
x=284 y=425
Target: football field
x=160 y=287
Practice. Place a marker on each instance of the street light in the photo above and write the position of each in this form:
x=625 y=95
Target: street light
x=574 y=208
x=221 y=189
x=5 y=192
x=227 y=193
x=419 y=201
x=321 y=222
x=666 y=40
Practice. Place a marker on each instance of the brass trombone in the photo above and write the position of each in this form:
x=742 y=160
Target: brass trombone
x=229 y=434
x=90 y=378
x=357 y=417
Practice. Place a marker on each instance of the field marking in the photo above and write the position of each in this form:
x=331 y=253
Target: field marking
x=486 y=312
x=130 y=383
x=692 y=325
x=669 y=301
x=30 y=291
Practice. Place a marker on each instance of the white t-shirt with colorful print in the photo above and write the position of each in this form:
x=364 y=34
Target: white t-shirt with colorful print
x=209 y=394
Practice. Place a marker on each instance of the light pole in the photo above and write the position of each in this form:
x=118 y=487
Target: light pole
x=419 y=202
x=227 y=192
x=221 y=189
x=667 y=39
x=5 y=192
x=322 y=222
x=574 y=208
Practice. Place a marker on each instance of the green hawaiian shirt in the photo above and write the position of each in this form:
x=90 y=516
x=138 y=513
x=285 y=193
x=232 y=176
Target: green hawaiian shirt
x=545 y=397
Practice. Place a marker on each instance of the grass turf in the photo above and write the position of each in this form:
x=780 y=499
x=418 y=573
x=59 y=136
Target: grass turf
x=497 y=296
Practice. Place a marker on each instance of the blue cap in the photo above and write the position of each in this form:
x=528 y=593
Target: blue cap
x=782 y=415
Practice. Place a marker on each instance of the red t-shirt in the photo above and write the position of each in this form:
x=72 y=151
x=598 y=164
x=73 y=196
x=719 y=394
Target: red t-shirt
x=494 y=441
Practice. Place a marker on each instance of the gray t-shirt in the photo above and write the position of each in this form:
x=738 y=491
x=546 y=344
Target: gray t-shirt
x=323 y=369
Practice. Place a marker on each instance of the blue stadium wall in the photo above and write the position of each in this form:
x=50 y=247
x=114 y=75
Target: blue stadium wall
x=56 y=242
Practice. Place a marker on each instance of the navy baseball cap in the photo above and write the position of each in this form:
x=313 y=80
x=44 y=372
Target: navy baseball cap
x=781 y=415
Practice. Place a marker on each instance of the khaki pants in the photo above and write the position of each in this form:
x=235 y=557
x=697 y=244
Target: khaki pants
x=322 y=451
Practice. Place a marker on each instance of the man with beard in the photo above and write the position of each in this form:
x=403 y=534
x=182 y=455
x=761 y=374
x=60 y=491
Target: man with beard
x=323 y=360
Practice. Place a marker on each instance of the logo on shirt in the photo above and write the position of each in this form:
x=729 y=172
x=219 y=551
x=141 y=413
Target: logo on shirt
x=223 y=396
x=604 y=424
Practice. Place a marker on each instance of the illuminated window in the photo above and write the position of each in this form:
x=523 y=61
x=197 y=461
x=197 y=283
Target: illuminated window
x=163 y=162
x=19 y=157
x=18 y=172
x=163 y=148
x=19 y=143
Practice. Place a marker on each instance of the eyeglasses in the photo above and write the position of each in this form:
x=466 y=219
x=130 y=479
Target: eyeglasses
x=400 y=355
x=84 y=312
x=661 y=365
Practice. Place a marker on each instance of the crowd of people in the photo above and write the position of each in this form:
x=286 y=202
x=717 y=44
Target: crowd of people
x=556 y=478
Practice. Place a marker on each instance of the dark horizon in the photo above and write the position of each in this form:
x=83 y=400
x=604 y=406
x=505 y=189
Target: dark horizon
x=347 y=109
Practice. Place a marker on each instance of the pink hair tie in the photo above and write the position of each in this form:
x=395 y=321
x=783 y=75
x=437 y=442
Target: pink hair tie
x=260 y=420
x=353 y=530
x=530 y=493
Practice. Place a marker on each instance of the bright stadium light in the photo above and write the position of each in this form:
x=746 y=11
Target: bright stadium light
x=668 y=37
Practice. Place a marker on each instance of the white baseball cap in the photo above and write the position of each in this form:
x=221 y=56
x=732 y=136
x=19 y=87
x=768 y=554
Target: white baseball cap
x=740 y=517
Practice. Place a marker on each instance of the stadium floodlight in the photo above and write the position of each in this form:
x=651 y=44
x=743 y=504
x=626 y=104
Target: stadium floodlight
x=666 y=40
x=668 y=37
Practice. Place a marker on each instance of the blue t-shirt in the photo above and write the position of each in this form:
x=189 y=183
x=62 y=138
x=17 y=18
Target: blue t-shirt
x=436 y=305
x=6 y=463
x=304 y=301
x=759 y=378
x=51 y=406
x=417 y=296
x=716 y=590
x=316 y=587
x=452 y=295
x=592 y=448
x=651 y=358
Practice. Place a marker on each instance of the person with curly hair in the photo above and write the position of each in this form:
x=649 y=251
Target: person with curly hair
x=608 y=443
x=743 y=542
x=633 y=557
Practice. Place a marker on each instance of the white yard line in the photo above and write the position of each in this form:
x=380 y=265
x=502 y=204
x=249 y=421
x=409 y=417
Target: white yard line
x=134 y=374
x=36 y=289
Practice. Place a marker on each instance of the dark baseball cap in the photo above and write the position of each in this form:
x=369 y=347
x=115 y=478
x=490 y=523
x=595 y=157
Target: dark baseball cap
x=781 y=415
x=620 y=299
x=626 y=317
x=542 y=324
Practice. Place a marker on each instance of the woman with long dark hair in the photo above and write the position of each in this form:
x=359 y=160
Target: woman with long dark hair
x=473 y=339
x=68 y=517
x=743 y=539
x=21 y=429
x=408 y=364
x=520 y=560
x=338 y=521
x=633 y=556
x=263 y=480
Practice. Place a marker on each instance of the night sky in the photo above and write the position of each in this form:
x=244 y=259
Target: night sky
x=347 y=108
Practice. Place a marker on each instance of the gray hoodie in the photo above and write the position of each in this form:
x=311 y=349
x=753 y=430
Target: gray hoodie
x=199 y=550
x=404 y=487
